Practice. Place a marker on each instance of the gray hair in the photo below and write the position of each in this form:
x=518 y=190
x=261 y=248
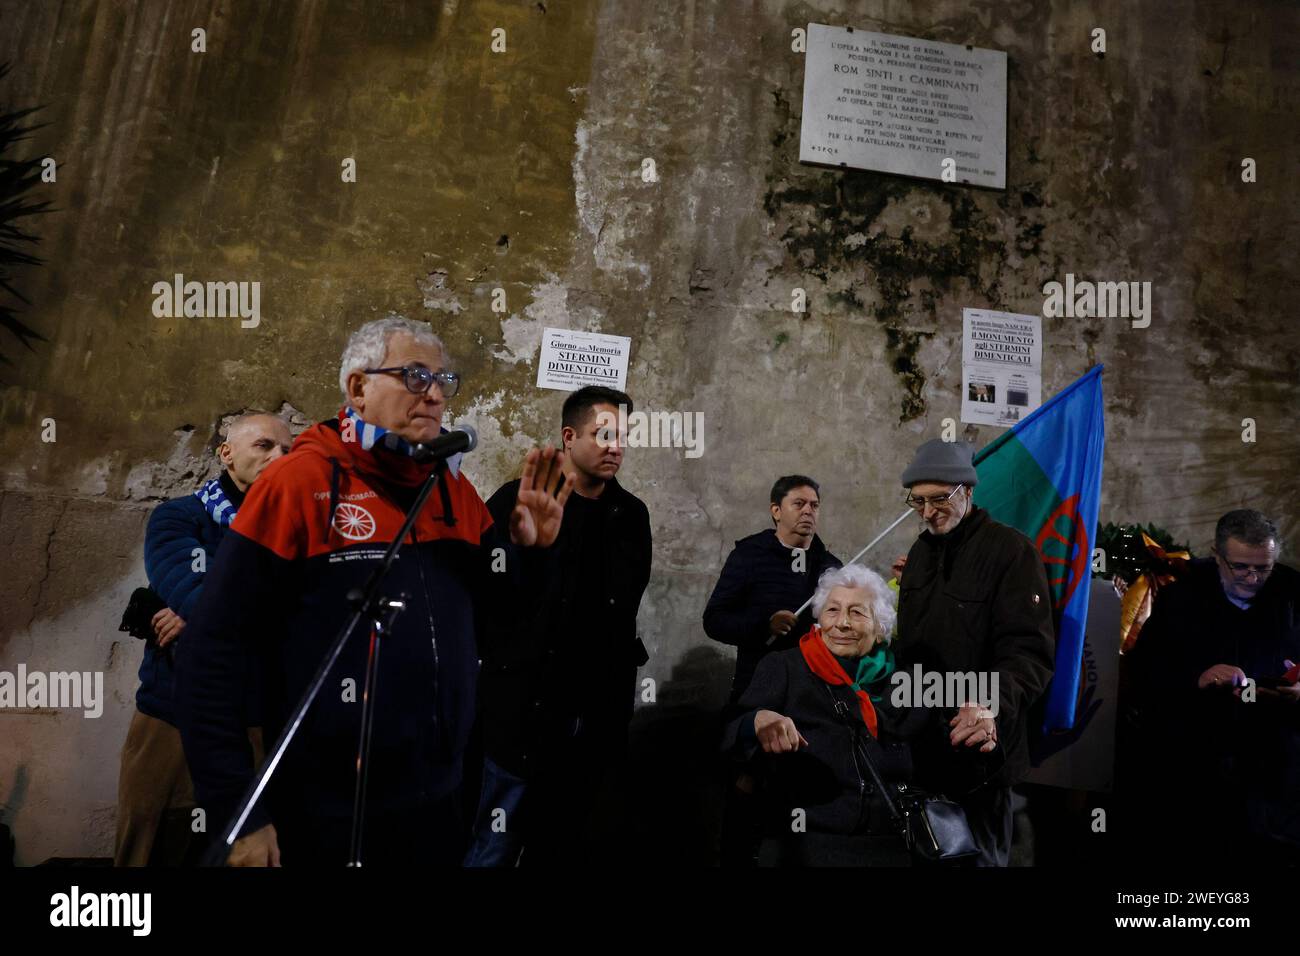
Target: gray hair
x=879 y=601
x=368 y=345
x=1247 y=526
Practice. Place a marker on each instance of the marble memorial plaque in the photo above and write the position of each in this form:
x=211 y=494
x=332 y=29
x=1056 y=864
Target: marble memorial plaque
x=903 y=105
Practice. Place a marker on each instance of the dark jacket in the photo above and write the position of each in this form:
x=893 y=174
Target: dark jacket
x=826 y=779
x=977 y=600
x=312 y=528
x=575 y=656
x=177 y=529
x=1247 y=752
x=758 y=580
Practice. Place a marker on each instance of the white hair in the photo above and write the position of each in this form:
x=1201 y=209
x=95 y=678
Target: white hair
x=879 y=601
x=368 y=345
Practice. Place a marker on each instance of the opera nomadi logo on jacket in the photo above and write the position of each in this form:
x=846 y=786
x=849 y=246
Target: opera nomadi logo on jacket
x=208 y=300
x=353 y=521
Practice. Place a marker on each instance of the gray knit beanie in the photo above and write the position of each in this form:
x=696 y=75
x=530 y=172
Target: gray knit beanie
x=948 y=462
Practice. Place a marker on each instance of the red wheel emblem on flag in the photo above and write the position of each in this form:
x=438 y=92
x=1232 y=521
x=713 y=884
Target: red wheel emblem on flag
x=1063 y=544
x=353 y=522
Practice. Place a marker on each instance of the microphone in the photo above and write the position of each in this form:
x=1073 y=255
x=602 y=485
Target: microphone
x=460 y=439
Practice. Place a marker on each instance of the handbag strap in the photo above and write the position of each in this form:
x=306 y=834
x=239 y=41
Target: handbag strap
x=843 y=711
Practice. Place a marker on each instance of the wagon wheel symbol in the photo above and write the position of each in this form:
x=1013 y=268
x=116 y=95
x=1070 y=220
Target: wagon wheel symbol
x=353 y=521
x=1055 y=547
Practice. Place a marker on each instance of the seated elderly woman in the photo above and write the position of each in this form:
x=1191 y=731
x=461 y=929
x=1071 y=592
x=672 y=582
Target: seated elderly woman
x=820 y=805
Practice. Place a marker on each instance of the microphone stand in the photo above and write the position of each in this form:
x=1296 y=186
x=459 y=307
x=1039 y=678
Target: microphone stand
x=368 y=604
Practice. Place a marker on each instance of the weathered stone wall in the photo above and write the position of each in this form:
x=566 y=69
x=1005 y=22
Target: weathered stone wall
x=522 y=171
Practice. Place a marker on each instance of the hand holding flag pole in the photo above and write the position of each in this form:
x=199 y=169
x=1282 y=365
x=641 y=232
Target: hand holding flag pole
x=874 y=541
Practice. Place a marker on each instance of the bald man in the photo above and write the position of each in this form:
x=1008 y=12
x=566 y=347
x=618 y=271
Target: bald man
x=154 y=794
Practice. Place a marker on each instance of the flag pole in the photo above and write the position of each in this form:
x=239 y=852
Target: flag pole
x=854 y=560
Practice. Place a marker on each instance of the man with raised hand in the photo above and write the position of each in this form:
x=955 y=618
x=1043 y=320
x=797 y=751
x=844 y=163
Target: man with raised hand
x=314 y=529
x=558 y=688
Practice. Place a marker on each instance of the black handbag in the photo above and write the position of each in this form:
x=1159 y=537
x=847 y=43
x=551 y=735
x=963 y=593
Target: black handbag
x=137 y=619
x=937 y=830
x=934 y=828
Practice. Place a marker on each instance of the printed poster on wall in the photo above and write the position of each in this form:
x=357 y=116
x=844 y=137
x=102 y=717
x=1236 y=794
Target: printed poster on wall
x=571 y=359
x=1001 y=366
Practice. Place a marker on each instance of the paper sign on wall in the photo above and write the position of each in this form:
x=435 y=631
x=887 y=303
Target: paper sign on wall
x=1001 y=366
x=571 y=359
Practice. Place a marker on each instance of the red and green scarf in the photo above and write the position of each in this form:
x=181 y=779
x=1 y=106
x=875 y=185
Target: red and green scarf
x=872 y=668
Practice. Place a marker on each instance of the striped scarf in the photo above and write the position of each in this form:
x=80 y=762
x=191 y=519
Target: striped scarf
x=221 y=508
x=371 y=435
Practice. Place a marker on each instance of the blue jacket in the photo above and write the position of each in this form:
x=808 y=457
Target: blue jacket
x=175 y=529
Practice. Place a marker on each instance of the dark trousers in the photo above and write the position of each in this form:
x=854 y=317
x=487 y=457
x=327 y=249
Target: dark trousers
x=566 y=811
x=577 y=803
x=988 y=811
x=500 y=822
x=431 y=834
x=833 y=849
x=742 y=824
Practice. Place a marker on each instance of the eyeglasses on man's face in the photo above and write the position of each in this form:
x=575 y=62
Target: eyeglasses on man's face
x=1243 y=571
x=937 y=502
x=419 y=378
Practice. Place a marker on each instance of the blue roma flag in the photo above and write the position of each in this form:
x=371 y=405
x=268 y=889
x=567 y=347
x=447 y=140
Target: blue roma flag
x=1043 y=478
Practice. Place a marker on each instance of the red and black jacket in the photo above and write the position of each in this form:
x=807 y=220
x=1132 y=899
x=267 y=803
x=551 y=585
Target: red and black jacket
x=312 y=528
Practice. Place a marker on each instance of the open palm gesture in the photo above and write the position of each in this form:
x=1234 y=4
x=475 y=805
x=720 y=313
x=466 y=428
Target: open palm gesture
x=539 y=506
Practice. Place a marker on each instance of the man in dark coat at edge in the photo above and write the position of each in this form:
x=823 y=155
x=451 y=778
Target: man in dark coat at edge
x=557 y=688
x=1219 y=777
x=765 y=578
x=974 y=598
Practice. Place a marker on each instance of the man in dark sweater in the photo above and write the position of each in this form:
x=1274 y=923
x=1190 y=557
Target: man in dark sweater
x=557 y=688
x=1221 y=714
x=154 y=792
x=973 y=599
x=766 y=577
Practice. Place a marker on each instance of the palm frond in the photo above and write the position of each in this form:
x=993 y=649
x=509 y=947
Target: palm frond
x=18 y=179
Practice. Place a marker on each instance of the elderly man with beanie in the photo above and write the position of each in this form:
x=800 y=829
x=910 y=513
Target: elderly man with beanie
x=973 y=598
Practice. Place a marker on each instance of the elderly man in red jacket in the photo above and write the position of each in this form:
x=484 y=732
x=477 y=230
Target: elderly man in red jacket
x=311 y=530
